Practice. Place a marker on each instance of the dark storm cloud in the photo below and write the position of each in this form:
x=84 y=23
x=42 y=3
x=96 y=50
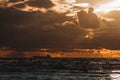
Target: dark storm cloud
x=40 y=3
x=28 y=29
x=22 y=29
x=15 y=1
x=88 y=19
x=32 y=3
x=108 y=36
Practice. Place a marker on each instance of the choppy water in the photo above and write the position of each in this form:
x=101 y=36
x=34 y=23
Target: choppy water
x=64 y=69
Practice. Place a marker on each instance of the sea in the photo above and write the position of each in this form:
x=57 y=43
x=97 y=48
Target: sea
x=60 y=69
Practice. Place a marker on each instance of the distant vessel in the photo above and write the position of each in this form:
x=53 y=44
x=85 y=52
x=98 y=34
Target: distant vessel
x=42 y=57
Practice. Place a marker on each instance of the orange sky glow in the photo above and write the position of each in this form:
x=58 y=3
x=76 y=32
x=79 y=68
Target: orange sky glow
x=77 y=53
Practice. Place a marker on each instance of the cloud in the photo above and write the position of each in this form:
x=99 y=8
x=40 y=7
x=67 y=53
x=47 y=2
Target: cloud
x=113 y=15
x=108 y=36
x=95 y=2
x=20 y=5
x=30 y=3
x=27 y=28
x=40 y=3
x=88 y=19
x=13 y=1
x=35 y=29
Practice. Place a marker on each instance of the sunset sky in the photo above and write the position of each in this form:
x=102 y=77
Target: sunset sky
x=54 y=24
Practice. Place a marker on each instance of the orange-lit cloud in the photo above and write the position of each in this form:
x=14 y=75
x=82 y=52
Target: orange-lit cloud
x=78 y=53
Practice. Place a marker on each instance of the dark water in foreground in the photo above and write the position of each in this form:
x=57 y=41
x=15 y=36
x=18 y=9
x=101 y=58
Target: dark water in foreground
x=60 y=69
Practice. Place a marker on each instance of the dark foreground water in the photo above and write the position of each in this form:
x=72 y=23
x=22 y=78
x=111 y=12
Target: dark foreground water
x=60 y=69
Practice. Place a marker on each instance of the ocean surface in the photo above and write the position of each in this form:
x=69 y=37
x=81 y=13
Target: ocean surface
x=60 y=69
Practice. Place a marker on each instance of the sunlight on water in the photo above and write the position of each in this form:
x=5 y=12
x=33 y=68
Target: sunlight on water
x=115 y=76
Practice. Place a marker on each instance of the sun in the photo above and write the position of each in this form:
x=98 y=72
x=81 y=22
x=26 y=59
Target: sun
x=114 y=5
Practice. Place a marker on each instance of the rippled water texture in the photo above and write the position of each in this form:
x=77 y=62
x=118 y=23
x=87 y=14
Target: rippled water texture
x=62 y=69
